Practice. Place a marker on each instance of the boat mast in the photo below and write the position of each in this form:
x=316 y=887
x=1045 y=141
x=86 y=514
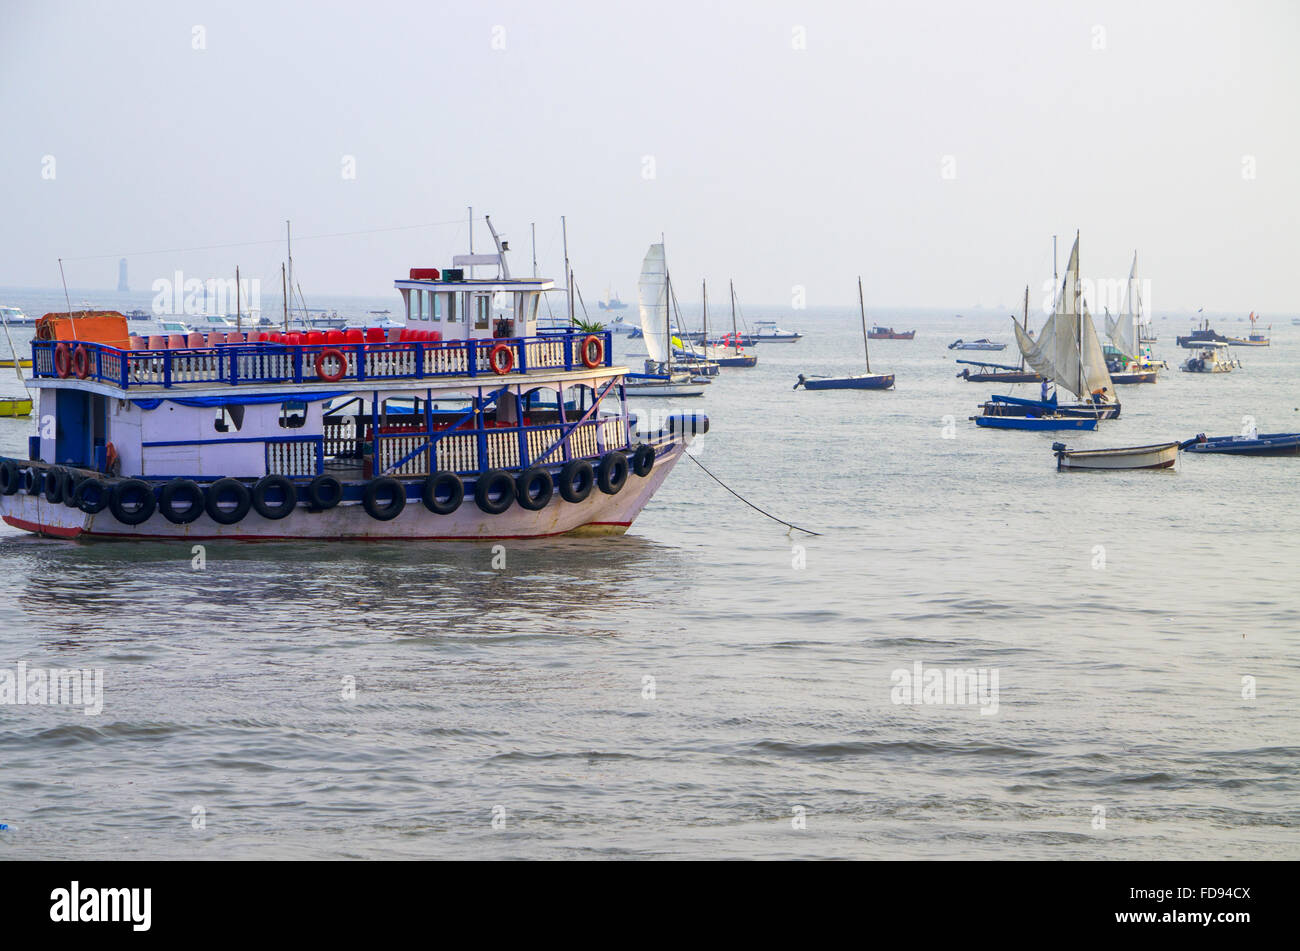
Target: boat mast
x=735 y=337
x=1022 y=351
x=862 y=307
x=568 y=282
x=239 y=322
x=1079 y=313
x=284 y=291
x=704 y=289
x=288 y=239
x=668 y=319
x=471 y=239
x=534 y=229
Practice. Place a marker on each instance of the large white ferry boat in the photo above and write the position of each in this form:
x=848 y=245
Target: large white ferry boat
x=462 y=424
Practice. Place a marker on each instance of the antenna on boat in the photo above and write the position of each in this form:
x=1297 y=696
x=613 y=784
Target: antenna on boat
x=288 y=238
x=533 y=227
x=284 y=291
x=471 y=239
x=862 y=308
x=239 y=322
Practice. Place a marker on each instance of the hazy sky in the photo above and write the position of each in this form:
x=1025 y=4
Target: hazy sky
x=932 y=148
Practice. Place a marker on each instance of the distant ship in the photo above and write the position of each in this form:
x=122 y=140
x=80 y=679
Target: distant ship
x=612 y=302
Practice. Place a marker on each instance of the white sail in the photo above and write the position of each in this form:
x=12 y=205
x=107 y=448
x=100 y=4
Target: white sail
x=1093 y=361
x=1123 y=331
x=652 y=294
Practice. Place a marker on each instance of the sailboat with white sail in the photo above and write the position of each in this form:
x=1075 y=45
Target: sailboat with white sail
x=659 y=378
x=1068 y=354
x=1126 y=360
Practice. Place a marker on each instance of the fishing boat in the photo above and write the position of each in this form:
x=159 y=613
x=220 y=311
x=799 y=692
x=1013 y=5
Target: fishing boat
x=867 y=381
x=654 y=295
x=447 y=429
x=1212 y=358
x=889 y=333
x=766 y=331
x=1250 y=444
x=1159 y=456
x=15 y=406
x=1066 y=353
x=999 y=372
x=611 y=302
x=1256 y=337
x=1201 y=336
x=981 y=344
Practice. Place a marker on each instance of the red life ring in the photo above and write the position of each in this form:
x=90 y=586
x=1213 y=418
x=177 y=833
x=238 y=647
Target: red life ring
x=591 y=359
x=81 y=362
x=502 y=359
x=342 y=368
x=62 y=360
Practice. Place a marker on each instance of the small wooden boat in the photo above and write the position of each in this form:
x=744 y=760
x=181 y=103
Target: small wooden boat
x=889 y=333
x=1035 y=423
x=1265 y=444
x=981 y=344
x=867 y=381
x=1019 y=406
x=1158 y=456
x=9 y=364
x=15 y=406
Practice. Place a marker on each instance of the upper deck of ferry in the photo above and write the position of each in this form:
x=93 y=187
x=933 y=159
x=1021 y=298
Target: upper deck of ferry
x=456 y=328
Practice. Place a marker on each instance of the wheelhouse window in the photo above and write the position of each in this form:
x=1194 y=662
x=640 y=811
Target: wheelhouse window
x=450 y=303
x=293 y=415
x=482 y=311
x=437 y=306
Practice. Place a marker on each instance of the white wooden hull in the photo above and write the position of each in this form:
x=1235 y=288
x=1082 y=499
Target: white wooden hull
x=598 y=514
x=1161 y=456
x=665 y=389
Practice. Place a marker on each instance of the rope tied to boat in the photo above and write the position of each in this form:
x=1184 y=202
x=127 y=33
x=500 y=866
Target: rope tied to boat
x=749 y=503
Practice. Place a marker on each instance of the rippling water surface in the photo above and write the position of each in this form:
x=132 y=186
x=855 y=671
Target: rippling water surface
x=698 y=687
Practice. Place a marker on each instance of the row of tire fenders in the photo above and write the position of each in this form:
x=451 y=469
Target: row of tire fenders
x=227 y=501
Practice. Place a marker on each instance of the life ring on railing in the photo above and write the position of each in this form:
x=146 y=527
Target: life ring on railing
x=62 y=360
x=593 y=351
x=502 y=359
x=320 y=365
x=81 y=362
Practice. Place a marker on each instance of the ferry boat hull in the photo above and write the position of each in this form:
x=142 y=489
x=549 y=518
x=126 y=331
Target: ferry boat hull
x=598 y=514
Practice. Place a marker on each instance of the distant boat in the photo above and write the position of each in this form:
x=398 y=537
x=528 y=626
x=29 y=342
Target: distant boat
x=14 y=317
x=9 y=363
x=1000 y=372
x=867 y=381
x=1158 y=456
x=611 y=302
x=1126 y=359
x=1200 y=336
x=766 y=331
x=889 y=333
x=15 y=406
x=981 y=344
x=1267 y=444
x=1256 y=337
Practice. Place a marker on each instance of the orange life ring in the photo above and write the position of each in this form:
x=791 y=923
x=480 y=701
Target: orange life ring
x=320 y=365
x=62 y=359
x=592 y=360
x=81 y=362
x=501 y=366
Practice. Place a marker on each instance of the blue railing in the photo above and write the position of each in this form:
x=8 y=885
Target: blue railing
x=261 y=363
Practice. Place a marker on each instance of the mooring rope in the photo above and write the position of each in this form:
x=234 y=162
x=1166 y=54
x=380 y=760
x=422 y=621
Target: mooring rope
x=749 y=503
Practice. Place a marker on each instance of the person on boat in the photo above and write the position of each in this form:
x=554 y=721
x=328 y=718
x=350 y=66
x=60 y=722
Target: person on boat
x=1100 y=396
x=1043 y=393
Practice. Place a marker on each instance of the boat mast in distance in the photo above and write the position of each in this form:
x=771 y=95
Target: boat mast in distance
x=862 y=308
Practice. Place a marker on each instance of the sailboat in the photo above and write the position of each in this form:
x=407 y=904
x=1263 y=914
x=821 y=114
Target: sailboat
x=1000 y=372
x=659 y=378
x=867 y=381
x=1067 y=353
x=1125 y=360
x=731 y=353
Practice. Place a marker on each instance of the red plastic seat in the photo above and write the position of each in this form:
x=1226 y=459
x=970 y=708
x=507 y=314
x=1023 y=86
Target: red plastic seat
x=315 y=338
x=293 y=339
x=375 y=335
x=333 y=336
x=354 y=335
x=275 y=336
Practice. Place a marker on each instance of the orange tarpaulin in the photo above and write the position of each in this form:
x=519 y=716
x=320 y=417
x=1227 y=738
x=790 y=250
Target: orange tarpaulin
x=96 y=326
